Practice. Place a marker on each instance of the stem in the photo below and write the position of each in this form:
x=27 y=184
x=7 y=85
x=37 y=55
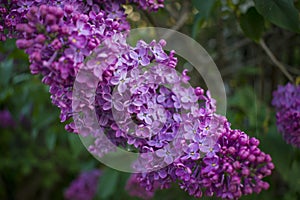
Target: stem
x=184 y=14
x=275 y=60
x=183 y=17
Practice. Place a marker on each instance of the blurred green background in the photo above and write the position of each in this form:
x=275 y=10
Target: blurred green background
x=39 y=159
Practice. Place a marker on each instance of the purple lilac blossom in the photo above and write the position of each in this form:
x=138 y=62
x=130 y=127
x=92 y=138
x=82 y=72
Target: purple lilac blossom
x=58 y=37
x=286 y=100
x=235 y=169
x=84 y=187
x=13 y=12
x=216 y=160
x=141 y=103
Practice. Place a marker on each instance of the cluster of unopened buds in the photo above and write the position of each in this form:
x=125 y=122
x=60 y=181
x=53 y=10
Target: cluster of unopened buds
x=141 y=102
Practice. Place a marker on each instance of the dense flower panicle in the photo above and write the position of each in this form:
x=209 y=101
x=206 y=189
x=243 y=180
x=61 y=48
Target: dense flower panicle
x=13 y=12
x=215 y=160
x=286 y=100
x=58 y=37
x=234 y=166
x=146 y=100
x=141 y=101
x=6 y=119
x=84 y=187
x=238 y=167
x=133 y=108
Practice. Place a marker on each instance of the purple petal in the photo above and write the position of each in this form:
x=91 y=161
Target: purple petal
x=122 y=87
x=161 y=153
x=148 y=120
x=107 y=106
x=145 y=61
x=118 y=105
x=115 y=80
x=168 y=159
x=161 y=98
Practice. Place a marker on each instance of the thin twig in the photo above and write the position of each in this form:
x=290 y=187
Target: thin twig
x=184 y=14
x=173 y=12
x=275 y=60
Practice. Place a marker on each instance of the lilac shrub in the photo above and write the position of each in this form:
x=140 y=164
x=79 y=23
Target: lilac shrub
x=286 y=100
x=142 y=103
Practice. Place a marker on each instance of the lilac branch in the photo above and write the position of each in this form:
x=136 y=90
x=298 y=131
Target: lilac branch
x=275 y=60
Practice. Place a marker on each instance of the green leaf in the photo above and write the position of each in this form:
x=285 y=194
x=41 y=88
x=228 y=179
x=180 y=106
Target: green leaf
x=50 y=140
x=44 y=120
x=8 y=46
x=280 y=12
x=75 y=144
x=107 y=183
x=205 y=8
x=198 y=21
x=21 y=78
x=6 y=69
x=252 y=23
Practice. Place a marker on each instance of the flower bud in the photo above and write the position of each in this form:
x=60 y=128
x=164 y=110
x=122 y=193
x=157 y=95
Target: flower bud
x=23 y=43
x=40 y=38
x=50 y=19
x=43 y=10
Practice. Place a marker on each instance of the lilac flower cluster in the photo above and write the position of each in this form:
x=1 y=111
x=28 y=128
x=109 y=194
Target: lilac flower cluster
x=286 y=100
x=134 y=112
x=143 y=111
x=84 y=187
x=142 y=103
x=58 y=36
x=176 y=129
x=234 y=166
x=13 y=12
